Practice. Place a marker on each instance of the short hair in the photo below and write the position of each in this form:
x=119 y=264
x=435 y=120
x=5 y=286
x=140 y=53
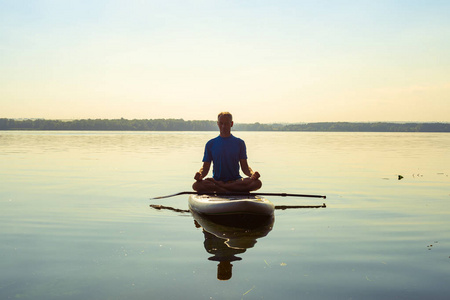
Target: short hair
x=225 y=113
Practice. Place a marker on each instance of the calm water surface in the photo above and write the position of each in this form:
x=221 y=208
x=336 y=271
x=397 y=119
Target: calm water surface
x=76 y=223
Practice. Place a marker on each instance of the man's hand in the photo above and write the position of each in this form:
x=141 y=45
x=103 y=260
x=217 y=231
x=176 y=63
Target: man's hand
x=255 y=176
x=198 y=176
x=203 y=171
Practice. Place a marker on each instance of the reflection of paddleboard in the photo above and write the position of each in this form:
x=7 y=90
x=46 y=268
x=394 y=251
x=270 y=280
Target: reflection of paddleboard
x=225 y=209
x=234 y=234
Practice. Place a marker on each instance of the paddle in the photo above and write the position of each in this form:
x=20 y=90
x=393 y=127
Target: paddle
x=240 y=194
x=282 y=207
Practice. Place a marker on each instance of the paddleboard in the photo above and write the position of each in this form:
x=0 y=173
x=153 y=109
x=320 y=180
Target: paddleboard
x=231 y=205
x=248 y=211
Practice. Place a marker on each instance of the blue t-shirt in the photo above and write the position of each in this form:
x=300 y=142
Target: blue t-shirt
x=225 y=154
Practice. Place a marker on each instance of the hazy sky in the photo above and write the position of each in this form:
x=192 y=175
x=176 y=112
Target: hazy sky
x=264 y=61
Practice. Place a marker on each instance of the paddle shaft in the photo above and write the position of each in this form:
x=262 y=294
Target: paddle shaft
x=240 y=194
x=278 y=207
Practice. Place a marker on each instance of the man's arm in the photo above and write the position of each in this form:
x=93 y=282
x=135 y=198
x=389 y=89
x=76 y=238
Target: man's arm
x=203 y=171
x=247 y=170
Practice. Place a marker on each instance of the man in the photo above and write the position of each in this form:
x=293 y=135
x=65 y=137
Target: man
x=226 y=152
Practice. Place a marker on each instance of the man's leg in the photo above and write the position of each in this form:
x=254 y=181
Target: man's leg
x=208 y=185
x=242 y=185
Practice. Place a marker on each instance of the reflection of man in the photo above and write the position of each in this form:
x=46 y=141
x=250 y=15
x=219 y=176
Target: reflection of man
x=226 y=152
x=222 y=253
x=225 y=242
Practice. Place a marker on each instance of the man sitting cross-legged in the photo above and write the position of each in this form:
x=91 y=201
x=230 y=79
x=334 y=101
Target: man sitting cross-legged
x=227 y=153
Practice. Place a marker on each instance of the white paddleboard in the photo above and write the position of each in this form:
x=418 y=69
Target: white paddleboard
x=231 y=205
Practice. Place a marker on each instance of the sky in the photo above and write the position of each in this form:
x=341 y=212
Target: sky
x=264 y=61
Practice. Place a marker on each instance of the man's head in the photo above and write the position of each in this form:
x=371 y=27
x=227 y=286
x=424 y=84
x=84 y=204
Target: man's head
x=225 y=113
x=225 y=122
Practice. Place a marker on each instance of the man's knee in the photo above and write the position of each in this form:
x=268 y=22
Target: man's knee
x=196 y=186
x=203 y=185
x=253 y=184
x=256 y=184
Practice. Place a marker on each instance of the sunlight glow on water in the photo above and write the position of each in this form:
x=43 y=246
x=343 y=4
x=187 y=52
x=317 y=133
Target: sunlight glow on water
x=76 y=222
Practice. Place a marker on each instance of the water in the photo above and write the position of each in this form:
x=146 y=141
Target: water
x=76 y=223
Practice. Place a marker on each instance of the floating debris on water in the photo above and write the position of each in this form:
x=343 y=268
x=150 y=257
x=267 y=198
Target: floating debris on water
x=430 y=246
x=248 y=291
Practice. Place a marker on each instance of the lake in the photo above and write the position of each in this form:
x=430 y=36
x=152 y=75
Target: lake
x=76 y=221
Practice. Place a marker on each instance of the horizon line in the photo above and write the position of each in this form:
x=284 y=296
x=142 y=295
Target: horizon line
x=273 y=123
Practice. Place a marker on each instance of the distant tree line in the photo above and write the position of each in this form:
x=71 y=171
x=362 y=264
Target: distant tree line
x=182 y=125
x=108 y=124
x=370 y=127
